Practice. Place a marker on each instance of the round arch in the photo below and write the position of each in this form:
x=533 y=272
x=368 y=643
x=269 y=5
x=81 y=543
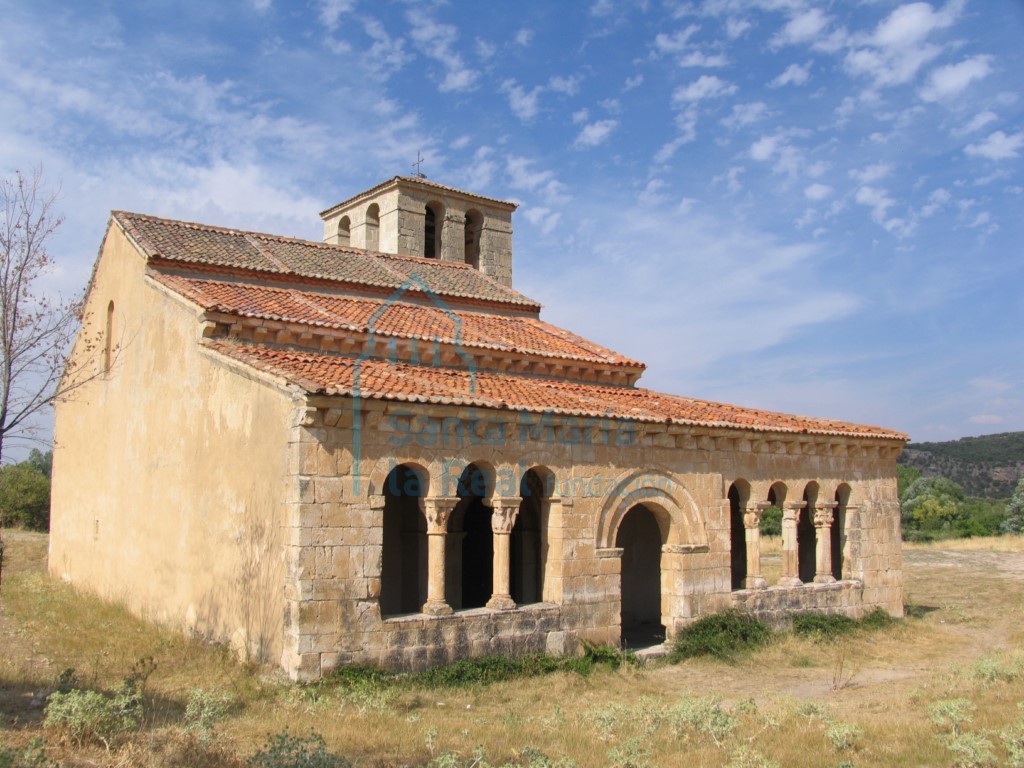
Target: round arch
x=668 y=499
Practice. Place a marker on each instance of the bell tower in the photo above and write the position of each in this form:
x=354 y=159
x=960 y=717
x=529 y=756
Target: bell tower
x=411 y=216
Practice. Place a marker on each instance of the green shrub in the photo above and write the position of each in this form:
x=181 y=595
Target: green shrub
x=24 y=497
x=771 y=521
x=722 y=635
x=822 y=626
x=878 y=618
x=971 y=750
x=283 y=750
x=205 y=708
x=91 y=716
x=951 y=714
x=32 y=757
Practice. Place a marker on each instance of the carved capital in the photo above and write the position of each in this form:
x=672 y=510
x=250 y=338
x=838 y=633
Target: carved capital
x=752 y=517
x=504 y=515
x=438 y=509
x=822 y=518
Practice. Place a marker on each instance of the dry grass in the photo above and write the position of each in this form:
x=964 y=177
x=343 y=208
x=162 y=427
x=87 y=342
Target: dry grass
x=1008 y=543
x=963 y=643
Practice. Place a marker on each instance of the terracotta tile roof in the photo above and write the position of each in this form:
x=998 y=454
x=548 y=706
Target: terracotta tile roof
x=527 y=335
x=327 y=374
x=417 y=181
x=200 y=244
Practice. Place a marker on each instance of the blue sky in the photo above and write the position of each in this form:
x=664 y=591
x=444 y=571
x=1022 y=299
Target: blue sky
x=814 y=207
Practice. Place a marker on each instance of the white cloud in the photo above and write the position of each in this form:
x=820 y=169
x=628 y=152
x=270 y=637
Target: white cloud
x=261 y=6
x=802 y=28
x=879 y=201
x=997 y=146
x=708 y=61
x=745 y=114
x=793 y=75
x=437 y=41
x=871 y=173
x=485 y=49
x=543 y=218
x=674 y=43
x=387 y=55
x=524 y=37
x=611 y=105
x=978 y=122
x=817 y=192
x=595 y=133
x=524 y=104
x=897 y=50
x=633 y=82
x=567 y=85
x=734 y=27
x=936 y=201
x=705 y=87
x=522 y=176
x=765 y=147
x=949 y=81
x=331 y=12
x=580 y=115
x=602 y=8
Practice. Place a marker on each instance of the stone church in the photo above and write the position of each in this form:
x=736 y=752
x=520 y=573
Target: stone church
x=373 y=450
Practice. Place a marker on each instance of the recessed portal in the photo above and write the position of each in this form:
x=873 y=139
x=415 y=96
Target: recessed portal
x=639 y=537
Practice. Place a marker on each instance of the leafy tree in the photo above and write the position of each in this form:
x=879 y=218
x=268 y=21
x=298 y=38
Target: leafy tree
x=1014 y=520
x=24 y=497
x=905 y=477
x=771 y=522
x=41 y=461
x=933 y=504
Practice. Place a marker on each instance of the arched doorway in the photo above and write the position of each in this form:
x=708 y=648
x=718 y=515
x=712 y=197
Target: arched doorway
x=471 y=543
x=838 y=531
x=526 y=563
x=806 y=535
x=403 y=578
x=737 y=538
x=640 y=538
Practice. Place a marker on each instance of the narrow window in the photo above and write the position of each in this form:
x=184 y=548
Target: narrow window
x=474 y=224
x=344 y=231
x=429 y=233
x=737 y=539
x=373 y=227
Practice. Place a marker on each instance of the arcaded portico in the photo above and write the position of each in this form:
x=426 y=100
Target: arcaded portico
x=328 y=454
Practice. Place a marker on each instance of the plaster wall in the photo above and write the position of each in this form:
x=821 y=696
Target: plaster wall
x=169 y=471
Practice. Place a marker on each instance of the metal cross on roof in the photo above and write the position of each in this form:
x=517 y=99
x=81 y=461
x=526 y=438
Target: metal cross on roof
x=417 y=165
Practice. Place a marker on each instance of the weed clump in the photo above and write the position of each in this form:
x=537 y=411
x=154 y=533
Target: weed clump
x=723 y=636
x=283 y=750
x=821 y=626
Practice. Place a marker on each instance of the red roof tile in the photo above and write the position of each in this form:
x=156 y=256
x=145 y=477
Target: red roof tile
x=327 y=374
x=526 y=335
x=200 y=244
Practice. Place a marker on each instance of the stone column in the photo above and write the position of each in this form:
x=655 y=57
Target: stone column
x=790 y=555
x=437 y=509
x=752 y=531
x=823 y=557
x=502 y=520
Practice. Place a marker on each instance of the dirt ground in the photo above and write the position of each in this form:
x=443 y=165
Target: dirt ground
x=965 y=608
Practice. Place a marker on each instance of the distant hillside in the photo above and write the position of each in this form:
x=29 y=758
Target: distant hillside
x=988 y=466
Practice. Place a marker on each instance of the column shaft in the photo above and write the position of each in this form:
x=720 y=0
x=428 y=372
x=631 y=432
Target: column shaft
x=790 y=557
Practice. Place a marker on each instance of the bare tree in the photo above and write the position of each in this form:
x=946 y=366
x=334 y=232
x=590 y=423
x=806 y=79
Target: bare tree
x=36 y=329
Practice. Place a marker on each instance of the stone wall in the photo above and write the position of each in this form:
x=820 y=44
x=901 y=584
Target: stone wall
x=342 y=451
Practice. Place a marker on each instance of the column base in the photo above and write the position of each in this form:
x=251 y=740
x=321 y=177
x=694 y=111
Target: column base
x=440 y=608
x=755 y=582
x=501 y=603
x=790 y=581
x=824 y=578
